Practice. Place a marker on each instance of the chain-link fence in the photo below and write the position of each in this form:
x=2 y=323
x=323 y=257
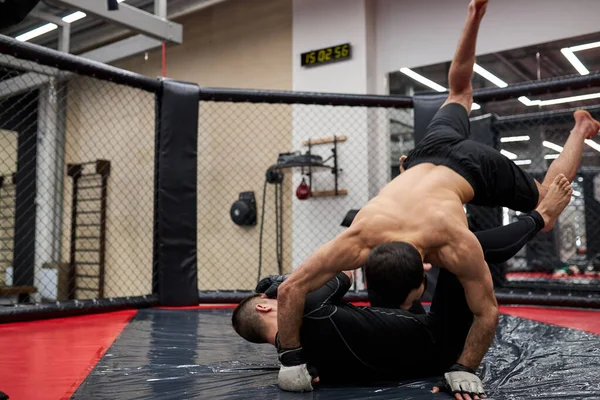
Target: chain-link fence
x=241 y=144
x=568 y=257
x=77 y=192
x=531 y=129
x=306 y=167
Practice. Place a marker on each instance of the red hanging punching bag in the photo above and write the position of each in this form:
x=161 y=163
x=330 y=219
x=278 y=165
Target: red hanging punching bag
x=303 y=191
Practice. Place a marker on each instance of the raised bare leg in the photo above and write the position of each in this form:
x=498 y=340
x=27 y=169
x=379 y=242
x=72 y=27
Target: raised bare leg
x=557 y=197
x=568 y=161
x=461 y=69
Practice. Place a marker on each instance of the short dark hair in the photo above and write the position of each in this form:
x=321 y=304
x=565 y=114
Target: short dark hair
x=393 y=270
x=246 y=320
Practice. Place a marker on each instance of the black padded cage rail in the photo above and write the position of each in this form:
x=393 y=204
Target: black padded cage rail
x=173 y=265
x=504 y=296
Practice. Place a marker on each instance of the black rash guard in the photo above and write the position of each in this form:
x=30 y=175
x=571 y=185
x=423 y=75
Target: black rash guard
x=350 y=344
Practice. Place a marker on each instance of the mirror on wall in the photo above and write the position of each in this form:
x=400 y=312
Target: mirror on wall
x=531 y=131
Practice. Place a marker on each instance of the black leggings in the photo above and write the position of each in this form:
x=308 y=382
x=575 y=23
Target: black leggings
x=502 y=243
x=450 y=316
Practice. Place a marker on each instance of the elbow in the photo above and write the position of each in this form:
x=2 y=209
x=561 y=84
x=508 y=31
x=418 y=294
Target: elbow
x=286 y=291
x=490 y=318
x=493 y=317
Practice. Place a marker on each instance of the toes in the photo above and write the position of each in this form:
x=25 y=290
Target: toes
x=558 y=178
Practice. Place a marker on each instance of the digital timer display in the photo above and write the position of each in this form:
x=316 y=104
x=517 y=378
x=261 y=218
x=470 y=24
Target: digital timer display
x=326 y=55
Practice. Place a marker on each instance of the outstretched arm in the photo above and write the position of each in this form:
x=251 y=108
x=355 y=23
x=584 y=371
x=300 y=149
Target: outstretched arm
x=464 y=258
x=461 y=69
x=346 y=252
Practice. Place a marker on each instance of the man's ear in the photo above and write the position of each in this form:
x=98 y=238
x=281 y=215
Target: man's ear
x=263 y=308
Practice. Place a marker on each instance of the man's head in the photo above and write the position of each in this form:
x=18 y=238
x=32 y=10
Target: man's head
x=395 y=275
x=255 y=319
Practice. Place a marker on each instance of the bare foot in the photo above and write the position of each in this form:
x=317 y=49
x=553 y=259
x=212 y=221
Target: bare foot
x=585 y=123
x=556 y=199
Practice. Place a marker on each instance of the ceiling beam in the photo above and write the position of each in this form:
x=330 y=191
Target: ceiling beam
x=130 y=17
x=516 y=70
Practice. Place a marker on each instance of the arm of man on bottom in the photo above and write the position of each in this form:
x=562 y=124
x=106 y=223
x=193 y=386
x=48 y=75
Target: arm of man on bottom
x=464 y=258
x=332 y=292
x=345 y=252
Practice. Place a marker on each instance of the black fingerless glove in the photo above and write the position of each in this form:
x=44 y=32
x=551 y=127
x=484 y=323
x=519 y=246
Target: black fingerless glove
x=461 y=368
x=293 y=357
x=269 y=285
x=443 y=385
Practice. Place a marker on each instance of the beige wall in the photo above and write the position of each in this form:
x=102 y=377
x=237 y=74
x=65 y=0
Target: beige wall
x=115 y=123
x=8 y=165
x=237 y=43
x=8 y=152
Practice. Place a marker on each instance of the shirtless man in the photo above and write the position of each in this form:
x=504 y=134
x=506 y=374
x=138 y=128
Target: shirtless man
x=419 y=217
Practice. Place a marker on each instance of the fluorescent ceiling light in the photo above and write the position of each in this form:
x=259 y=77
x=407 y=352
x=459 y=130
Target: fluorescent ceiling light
x=508 y=154
x=430 y=84
x=551 y=156
x=576 y=62
x=514 y=139
x=552 y=146
x=76 y=16
x=593 y=144
x=489 y=76
x=576 y=193
x=522 y=162
x=421 y=79
x=585 y=46
x=569 y=53
x=568 y=99
x=36 y=32
x=526 y=101
x=562 y=100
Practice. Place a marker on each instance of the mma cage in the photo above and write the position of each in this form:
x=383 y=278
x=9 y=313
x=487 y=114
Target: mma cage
x=122 y=191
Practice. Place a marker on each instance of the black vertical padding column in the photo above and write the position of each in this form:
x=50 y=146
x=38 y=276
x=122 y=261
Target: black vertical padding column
x=591 y=197
x=425 y=107
x=156 y=237
x=177 y=194
x=20 y=114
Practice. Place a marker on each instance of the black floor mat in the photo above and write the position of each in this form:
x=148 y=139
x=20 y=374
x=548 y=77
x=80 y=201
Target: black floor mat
x=195 y=354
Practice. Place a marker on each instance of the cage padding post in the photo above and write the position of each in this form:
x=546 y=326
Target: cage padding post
x=177 y=193
x=426 y=105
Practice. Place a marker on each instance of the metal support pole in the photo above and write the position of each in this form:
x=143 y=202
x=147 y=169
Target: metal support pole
x=64 y=38
x=50 y=162
x=160 y=8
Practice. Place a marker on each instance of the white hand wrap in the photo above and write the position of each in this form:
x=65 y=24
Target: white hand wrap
x=464 y=382
x=295 y=379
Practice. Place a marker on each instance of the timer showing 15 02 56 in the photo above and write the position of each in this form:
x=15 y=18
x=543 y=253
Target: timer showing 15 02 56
x=328 y=54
